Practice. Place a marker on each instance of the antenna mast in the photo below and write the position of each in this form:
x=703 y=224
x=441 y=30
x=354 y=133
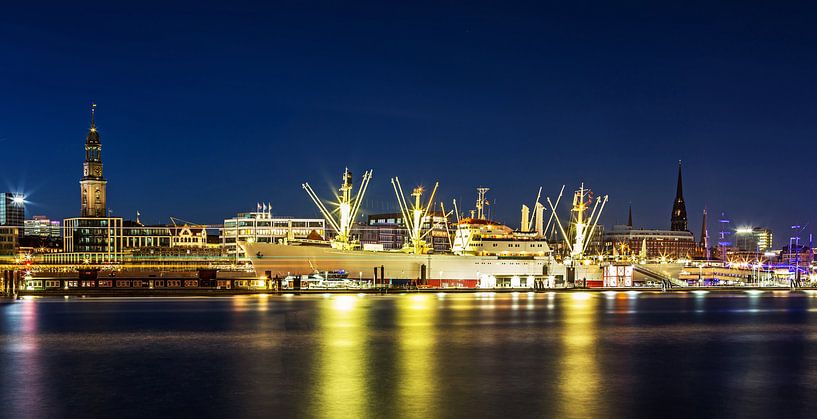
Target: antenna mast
x=481 y=202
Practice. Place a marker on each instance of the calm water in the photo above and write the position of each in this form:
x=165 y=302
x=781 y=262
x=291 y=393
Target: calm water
x=580 y=355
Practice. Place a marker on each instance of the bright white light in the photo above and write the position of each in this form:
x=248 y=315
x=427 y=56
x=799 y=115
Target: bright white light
x=18 y=200
x=344 y=302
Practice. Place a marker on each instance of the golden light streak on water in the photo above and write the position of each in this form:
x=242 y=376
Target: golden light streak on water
x=579 y=379
x=417 y=346
x=340 y=388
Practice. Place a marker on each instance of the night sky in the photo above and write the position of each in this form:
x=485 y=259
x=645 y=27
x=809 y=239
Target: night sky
x=206 y=109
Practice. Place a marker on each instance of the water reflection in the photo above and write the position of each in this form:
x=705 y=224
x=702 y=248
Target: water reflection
x=339 y=362
x=577 y=354
x=23 y=371
x=579 y=382
x=417 y=340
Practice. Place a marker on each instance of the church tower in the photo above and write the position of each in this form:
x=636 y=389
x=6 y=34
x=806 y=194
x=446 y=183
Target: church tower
x=630 y=216
x=93 y=185
x=679 y=208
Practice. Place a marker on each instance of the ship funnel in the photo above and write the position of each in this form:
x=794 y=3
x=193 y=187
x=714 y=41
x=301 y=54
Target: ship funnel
x=540 y=219
x=525 y=226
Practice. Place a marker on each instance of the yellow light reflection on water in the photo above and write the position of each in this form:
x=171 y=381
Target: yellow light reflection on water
x=344 y=302
x=579 y=380
x=417 y=343
x=340 y=389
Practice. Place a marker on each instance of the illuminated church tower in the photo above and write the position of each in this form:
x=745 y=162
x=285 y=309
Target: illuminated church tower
x=93 y=184
x=679 y=208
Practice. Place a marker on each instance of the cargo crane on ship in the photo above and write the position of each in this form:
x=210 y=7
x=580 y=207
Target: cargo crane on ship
x=582 y=226
x=342 y=219
x=414 y=216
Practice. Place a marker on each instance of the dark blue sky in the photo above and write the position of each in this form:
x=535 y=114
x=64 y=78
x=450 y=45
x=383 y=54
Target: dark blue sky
x=205 y=109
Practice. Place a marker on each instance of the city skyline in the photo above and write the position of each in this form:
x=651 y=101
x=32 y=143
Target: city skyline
x=380 y=206
x=219 y=142
x=408 y=209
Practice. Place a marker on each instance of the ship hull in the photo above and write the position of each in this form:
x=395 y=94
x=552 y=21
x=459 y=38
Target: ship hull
x=286 y=260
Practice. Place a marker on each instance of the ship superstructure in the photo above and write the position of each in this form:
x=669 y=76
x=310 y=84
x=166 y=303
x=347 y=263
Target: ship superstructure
x=477 y=235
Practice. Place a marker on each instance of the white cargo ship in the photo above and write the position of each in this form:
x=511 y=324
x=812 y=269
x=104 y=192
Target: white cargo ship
x=484 y=253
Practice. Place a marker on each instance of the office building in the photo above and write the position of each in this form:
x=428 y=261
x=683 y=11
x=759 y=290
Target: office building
x=752 y=239
x=262 y=227
x=389 y=230
x=9 y=237
x=12 y=209
x=137 y=236
x=42 y=227
x=650 y=244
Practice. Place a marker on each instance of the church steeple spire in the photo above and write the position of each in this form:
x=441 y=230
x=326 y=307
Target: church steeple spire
x=704 y=232
x=678 y=221
x=679 y=190
x=630 y=216
x=93 y=111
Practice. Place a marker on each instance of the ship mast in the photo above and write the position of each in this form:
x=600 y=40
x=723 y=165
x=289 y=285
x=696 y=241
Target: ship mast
x=481 y=202
x=348 y=208
x=414 y=215
x=583 y=225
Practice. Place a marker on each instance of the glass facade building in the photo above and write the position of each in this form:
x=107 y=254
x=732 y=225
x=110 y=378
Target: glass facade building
x=262 y=227
x=12 y=210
